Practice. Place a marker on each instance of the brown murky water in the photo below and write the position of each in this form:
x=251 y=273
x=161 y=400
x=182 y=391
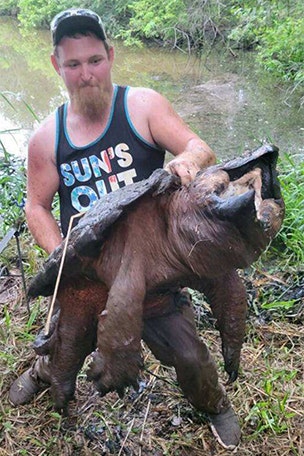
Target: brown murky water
x=231 y=103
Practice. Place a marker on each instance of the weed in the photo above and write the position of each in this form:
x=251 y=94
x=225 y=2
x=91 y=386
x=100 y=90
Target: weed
x=278 y=305
x=271 y=411
x=291 y=236
x=12 y=195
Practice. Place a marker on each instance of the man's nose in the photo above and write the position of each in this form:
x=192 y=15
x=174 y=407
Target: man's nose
x=85 y=72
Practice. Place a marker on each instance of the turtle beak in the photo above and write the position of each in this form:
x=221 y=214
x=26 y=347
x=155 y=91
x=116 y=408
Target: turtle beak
x=235 y=207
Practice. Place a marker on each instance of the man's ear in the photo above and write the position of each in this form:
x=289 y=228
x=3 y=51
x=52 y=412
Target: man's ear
x=55 y=63
x=111 y=54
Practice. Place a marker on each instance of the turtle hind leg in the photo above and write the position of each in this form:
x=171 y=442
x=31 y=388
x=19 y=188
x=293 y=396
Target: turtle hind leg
x=75 y=335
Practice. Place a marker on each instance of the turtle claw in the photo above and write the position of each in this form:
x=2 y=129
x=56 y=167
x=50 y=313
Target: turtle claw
x=121 y=392
x=115 y=372
x=232 y=377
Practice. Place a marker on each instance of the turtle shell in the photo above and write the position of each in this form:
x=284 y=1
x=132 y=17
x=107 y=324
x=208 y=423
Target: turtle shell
x=86 y=237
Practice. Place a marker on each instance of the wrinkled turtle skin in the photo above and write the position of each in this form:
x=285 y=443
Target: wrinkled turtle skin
x=147 y=238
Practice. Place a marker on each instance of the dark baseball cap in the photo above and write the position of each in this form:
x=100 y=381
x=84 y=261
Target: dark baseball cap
x=76 y=20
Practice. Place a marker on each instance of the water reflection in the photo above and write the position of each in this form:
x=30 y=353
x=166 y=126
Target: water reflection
x=223 y=99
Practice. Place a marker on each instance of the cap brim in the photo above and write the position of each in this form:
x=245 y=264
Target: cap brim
x=74 y=24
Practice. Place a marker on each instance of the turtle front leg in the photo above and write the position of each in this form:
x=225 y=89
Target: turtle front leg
x=228 y=301
x=117 y=360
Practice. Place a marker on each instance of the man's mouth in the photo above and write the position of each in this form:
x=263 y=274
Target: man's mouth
x=84 y=86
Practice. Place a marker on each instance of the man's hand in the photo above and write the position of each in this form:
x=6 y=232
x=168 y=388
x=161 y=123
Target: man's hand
x=195 y=156
x=184 y=168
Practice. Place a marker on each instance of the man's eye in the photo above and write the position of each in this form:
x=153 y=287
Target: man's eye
x=96 y=61
x=72 y=65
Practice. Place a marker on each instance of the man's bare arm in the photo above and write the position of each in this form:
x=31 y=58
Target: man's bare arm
x=42 y=184
x=156 y=120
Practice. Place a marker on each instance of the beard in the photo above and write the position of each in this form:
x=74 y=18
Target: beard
x=91 y=101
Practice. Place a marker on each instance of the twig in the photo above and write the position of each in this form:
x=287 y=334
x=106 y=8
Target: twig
x=271 y=277
x=51 y=308
x=126 y=437
x=143 y=426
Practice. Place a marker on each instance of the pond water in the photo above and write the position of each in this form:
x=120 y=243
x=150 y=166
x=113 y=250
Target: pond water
x=227 y=100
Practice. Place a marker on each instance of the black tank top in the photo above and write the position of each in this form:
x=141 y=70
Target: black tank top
x=117 y=158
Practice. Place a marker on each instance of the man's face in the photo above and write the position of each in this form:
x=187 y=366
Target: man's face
x=85 y=67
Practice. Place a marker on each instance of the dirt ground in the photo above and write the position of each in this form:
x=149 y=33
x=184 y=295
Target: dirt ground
x=157 y=420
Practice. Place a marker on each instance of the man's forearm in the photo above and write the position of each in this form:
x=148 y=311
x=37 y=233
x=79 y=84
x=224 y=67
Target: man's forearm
x=44 y=228
x=199 y=152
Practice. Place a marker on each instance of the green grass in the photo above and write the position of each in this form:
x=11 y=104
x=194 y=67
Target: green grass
x=271 y=413
x=291 y=235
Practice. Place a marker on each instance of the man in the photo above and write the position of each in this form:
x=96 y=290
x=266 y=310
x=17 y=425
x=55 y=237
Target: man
x=106 y=137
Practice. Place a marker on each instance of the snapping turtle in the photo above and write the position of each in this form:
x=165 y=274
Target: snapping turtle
x=144 y=240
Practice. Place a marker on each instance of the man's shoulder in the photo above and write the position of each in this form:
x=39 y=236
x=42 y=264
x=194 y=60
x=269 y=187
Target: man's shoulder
x=144 y=91
x=144 y=96
x=44 y=134
x=45 y=127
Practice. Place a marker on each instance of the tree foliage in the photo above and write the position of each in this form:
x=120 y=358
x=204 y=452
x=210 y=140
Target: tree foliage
x=276 y=31
x=282 y=49
x=155 y=20
x=187 y=24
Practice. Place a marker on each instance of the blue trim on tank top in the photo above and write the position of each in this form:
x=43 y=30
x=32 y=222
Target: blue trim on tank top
x=131 y=123
x=102 y=134
x=57 y=133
